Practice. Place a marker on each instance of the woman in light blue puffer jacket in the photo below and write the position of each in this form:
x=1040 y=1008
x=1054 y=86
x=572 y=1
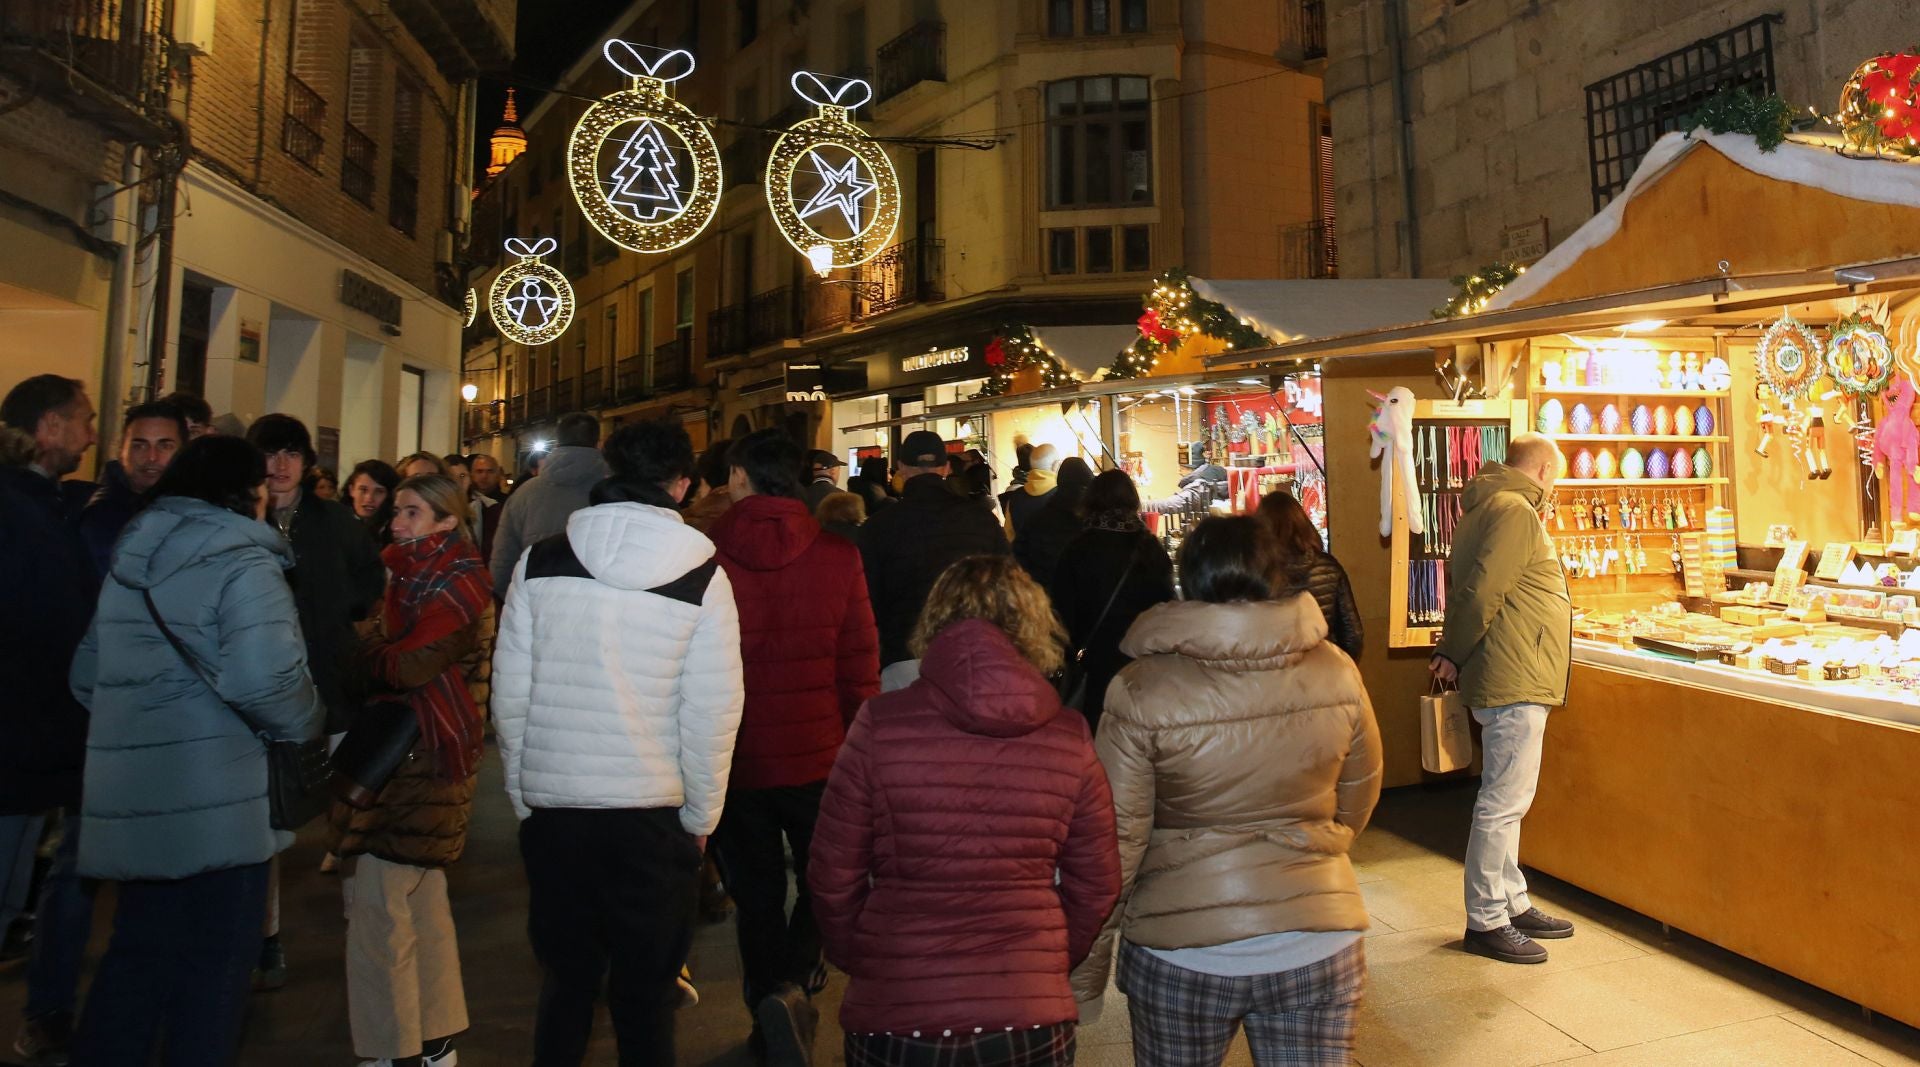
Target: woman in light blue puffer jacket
x=174 y=806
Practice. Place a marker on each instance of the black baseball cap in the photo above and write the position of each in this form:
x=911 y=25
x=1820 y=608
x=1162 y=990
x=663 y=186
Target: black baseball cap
x=923 y=448
x=821 y=459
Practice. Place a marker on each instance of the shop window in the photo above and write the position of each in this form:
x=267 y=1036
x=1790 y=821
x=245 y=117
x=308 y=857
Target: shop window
x=1062 y=253
x=1099 y=152
x=1100 y=250
x=1629 y=111
x=1136 y=249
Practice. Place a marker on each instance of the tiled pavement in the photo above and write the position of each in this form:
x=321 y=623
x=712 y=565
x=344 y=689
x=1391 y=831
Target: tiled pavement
x=1620 y=994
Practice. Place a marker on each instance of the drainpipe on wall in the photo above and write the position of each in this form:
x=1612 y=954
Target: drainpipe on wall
x=116 y=369
x=1403 y=112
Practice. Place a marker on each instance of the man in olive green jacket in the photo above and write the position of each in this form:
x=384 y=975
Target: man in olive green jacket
x=1507 y=642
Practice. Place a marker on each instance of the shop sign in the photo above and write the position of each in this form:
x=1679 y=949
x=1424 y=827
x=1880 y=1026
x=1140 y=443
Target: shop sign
x=1524 y=243
x=939 y=357
x=362 y=293
x=806 y=382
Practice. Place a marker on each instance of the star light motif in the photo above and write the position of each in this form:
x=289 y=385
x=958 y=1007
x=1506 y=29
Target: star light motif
x=533 y=296
x=841 y=187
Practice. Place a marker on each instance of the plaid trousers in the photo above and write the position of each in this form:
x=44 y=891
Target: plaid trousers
x=1184 y=1018
x=1044 y=1046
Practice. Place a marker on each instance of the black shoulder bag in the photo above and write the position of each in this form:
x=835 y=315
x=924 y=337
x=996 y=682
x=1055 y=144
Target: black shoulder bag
x=297 y=771
x=1073 y=681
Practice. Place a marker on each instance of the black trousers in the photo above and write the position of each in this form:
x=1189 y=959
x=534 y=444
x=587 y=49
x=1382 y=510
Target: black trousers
x=613 y=894
x=775 y=946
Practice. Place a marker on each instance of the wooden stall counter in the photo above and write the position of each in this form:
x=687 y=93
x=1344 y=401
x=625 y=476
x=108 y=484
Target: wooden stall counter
x=1780 y=831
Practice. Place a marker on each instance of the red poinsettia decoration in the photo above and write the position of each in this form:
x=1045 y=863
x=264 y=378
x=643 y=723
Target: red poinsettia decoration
x=996 y=353
x=1891 y=81
x=1152 y=330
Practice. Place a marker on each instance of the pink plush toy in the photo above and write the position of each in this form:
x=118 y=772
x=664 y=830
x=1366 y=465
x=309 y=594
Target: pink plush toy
x=1897 y=445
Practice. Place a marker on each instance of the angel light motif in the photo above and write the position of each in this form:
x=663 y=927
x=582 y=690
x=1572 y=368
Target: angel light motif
x=530 y=301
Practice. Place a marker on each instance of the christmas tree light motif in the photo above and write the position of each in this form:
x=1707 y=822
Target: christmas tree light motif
x=532 y=307
x=644 y=185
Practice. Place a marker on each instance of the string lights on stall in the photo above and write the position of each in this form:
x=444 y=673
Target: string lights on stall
x=1013 y=349
x=1880 y=105
x=1173 y=311
x=1478 y=289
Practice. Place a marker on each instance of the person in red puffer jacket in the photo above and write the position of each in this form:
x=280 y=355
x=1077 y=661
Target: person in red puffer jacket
x=965 y=857
x=810 y=657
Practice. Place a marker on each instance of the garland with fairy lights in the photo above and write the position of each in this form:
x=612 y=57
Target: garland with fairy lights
x=1478 y=288
x=1172 y=311
x=1015 y=347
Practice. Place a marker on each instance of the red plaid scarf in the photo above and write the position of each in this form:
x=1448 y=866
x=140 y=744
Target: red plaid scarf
x=438 y=586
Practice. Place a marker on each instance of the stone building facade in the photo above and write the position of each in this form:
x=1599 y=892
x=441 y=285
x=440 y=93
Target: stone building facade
x=1513 y=119
x=1203 y=123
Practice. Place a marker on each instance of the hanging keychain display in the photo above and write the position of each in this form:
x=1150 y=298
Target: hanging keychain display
x=530 y=301
x=831 y=188
x=644 y=168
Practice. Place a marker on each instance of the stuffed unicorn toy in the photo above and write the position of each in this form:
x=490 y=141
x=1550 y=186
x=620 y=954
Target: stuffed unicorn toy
x=1897 y=445
x=1392 y=430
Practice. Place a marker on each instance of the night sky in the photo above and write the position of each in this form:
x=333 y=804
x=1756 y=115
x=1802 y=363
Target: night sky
x=552 y=34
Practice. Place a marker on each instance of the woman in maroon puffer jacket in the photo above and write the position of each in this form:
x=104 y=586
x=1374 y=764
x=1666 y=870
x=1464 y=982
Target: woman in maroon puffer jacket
x=965 y=856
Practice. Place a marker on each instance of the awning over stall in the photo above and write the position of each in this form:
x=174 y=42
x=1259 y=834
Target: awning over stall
x=1290 y=309
x=1086 y=350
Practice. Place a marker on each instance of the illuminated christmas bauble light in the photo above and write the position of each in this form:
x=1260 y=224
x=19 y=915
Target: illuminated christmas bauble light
x=644 y=168
x=473 y=307
x=1883 y=97
x=832 y=190
x=530 y=301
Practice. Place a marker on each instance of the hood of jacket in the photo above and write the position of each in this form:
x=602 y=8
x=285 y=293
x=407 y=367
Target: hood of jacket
x=765 y=533
x=574 y=465
x=983 y=685
x=635 y=546
x=176 y=531
x=1040 y=483
x=1238 y=635
x=1500 y=478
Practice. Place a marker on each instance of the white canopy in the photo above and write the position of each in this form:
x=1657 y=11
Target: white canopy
x=1086 y=350
x=1293 y=309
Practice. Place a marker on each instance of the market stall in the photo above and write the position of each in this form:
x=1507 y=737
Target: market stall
x=1738 y=519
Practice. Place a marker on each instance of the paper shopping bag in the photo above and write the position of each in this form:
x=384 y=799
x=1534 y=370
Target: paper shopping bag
x=1446 y=733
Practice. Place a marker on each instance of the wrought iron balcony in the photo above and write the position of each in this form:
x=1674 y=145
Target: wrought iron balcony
x=1310 y=28
x=672 y=368
x=540 y=403
x=356 y=170
x=106 y=60
x=911 y=272
x=630 y=379
x=727 y=331
x=918 y=55
x=300 y=128
x=593 y=390
x=517 y=410
x=1310 y=250
x=774 y=316
x=828 y=306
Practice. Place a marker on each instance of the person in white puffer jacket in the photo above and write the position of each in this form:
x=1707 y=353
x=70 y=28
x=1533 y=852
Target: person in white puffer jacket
x=616 y=697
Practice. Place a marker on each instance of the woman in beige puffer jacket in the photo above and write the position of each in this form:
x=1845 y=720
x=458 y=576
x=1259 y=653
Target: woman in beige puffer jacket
x=1244 y=759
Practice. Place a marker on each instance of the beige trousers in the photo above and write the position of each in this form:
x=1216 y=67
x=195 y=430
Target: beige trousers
x=403 y=964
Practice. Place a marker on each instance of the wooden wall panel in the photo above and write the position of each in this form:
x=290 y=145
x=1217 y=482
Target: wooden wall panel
x=1784 y=834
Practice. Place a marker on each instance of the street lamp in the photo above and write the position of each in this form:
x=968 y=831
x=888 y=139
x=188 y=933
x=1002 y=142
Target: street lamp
x=469 y=392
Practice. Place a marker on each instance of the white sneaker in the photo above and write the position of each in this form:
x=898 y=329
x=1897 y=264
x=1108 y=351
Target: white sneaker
x=689 y=996
x=449 y=1058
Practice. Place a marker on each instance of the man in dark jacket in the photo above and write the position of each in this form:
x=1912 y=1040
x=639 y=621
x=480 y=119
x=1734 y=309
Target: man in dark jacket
x=810 y=658
x=1507 y=643
x=905 y=547
x=540 y=507
x=823 y=477
x=1044 y=534
x=485 y=498
x=49 y=587
x=152 y=433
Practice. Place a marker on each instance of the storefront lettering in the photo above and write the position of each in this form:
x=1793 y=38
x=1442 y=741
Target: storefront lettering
x=362 y=293
x=939 y=357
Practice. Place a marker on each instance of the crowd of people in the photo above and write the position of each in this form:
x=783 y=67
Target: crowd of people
x=969 y=749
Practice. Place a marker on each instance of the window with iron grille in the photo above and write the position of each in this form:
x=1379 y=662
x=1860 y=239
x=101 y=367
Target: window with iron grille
x=403 y=178
x=300 y=135
x=363 y=96
x=1629 y=111
x=1099 y=148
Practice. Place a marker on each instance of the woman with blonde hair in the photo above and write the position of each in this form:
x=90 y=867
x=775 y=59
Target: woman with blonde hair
x=405 y=998
x=421 y=464
x=964 y=858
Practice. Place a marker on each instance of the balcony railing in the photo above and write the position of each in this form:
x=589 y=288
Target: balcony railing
x=403 y=199
x=727 y=331
x=774 y=316
x=306 y=116
x=828 y=306
x=911 y=272
x=672 y=366
x=540 y=403
x=483 y=419
x=918 y=55
x=1310 y=250
x=517 y=410
x=107 y=58
x=356 y=170
x=593 y=390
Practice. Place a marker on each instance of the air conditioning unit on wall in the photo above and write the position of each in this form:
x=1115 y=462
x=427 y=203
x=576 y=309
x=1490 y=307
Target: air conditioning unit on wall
x=193 y=25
